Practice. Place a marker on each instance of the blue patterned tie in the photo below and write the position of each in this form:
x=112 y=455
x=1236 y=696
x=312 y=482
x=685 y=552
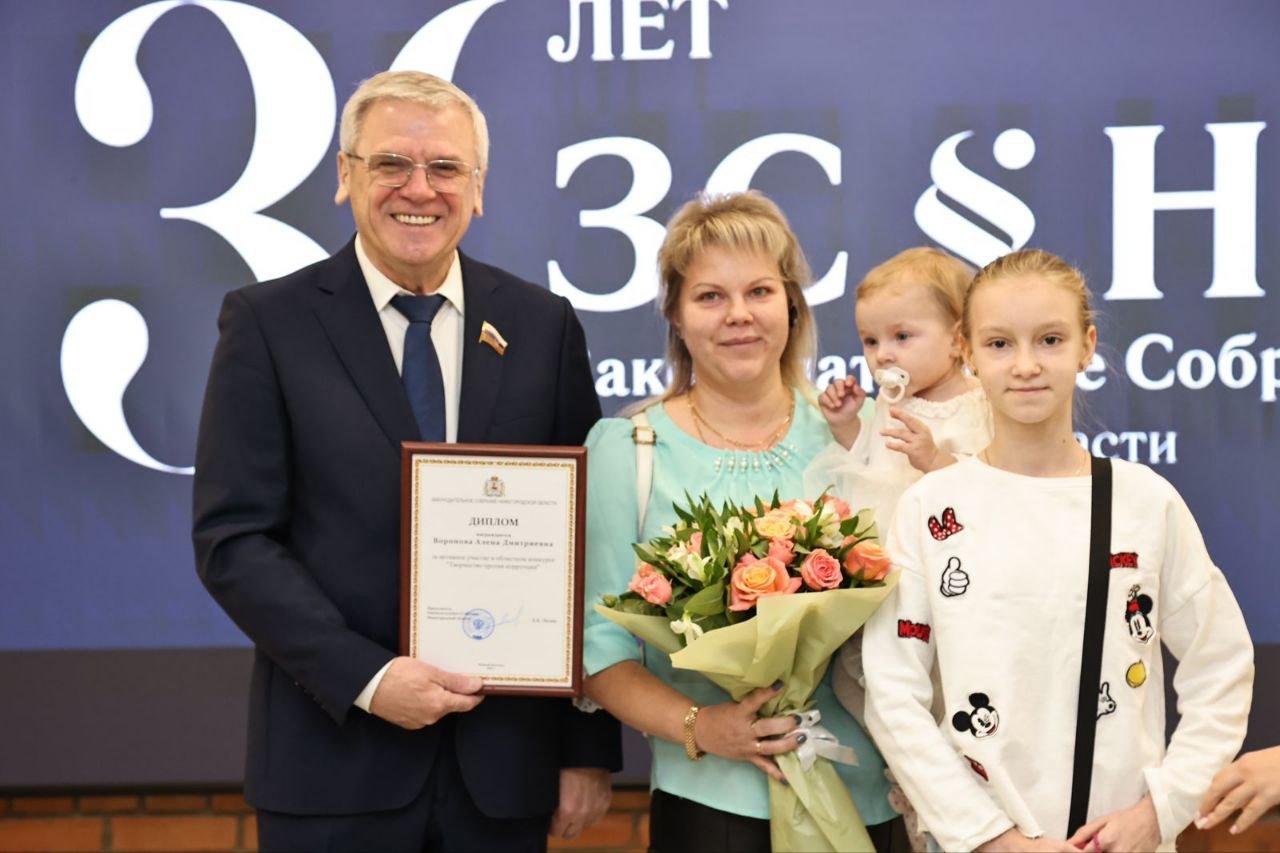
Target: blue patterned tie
x=421 y=372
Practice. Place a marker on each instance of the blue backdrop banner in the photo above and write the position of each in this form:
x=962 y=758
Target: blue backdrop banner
x=194 y=145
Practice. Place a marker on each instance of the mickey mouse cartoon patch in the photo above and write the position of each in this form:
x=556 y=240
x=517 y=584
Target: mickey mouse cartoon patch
x=955 y=580
x=914 y=630
x=1106 y=705
x=945 y=528
x=980 y=722
x=1125 y=560
x=1137 y=615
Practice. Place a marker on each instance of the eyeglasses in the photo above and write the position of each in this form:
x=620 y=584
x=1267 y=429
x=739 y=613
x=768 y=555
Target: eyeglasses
x=395 y=170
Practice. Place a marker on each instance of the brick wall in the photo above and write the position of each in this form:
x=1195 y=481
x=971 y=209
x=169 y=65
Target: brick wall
x=217 y=821
x=136 y=821
x=625 y=827
x=221 y=821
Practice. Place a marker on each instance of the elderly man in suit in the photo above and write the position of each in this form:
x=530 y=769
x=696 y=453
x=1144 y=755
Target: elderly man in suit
x=316 y=379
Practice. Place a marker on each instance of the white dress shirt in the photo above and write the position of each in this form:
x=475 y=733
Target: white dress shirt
x=446 y=335
x=446 y=328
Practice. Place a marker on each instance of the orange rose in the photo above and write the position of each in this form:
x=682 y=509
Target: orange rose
x=867 y=561
x=775 y=523
x=753 y=581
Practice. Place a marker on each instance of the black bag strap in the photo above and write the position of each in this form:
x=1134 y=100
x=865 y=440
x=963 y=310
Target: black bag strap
x=1095 y=624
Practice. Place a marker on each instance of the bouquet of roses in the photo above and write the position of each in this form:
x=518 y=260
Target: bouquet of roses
x=728 y=592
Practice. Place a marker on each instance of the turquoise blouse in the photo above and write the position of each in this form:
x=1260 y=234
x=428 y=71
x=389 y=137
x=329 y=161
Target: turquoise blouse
x=682 y=463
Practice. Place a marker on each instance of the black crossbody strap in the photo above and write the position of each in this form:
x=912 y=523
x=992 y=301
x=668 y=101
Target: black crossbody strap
x=1095 y=624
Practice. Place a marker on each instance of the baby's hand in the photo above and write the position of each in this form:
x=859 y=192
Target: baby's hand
x=916 y=441
x=840 y=404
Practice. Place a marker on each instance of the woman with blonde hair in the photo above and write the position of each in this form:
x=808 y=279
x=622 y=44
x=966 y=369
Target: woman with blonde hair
x=736 y=422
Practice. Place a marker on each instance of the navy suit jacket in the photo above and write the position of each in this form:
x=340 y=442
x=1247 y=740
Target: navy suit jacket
x=296 y=532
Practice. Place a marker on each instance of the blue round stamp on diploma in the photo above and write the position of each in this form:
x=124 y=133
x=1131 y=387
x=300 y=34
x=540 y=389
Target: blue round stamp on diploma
x=477 y=624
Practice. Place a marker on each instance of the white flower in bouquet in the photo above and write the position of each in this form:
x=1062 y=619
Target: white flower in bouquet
x=829 y=535
x=687 y=628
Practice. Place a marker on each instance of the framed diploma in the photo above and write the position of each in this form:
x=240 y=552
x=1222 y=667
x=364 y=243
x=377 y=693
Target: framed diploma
x=491 y=563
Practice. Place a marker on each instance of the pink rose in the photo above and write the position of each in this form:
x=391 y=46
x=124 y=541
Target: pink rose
x=650 y=585
x=842 y=510
x=695 y=543
x=782 y=549
x=820 y=570
x=867 y=561
x=756 y=580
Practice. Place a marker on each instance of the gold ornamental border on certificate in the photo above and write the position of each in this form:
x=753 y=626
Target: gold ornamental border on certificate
x=415 y=457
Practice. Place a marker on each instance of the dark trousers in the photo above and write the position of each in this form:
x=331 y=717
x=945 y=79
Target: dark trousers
x=677 y=824
x=441 y=819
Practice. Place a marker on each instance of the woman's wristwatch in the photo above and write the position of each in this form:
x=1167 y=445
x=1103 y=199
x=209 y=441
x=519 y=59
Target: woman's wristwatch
x=690 y=745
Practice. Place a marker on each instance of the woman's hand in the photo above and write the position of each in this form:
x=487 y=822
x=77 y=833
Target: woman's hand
x=916 y=441
x=1135 y=828
x=735 y=730
x=840 y=403
x=1251 y=784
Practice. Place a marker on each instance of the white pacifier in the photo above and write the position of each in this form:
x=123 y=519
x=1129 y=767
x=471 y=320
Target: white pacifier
x=893 y=382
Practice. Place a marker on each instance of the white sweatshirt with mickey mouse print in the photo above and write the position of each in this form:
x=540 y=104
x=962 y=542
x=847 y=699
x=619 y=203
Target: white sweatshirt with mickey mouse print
x=994 y=575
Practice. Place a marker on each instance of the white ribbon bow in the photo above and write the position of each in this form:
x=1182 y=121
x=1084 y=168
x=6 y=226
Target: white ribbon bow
x=819 y=741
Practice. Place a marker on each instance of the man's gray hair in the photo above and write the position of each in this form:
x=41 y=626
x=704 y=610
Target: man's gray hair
x=415 y=86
